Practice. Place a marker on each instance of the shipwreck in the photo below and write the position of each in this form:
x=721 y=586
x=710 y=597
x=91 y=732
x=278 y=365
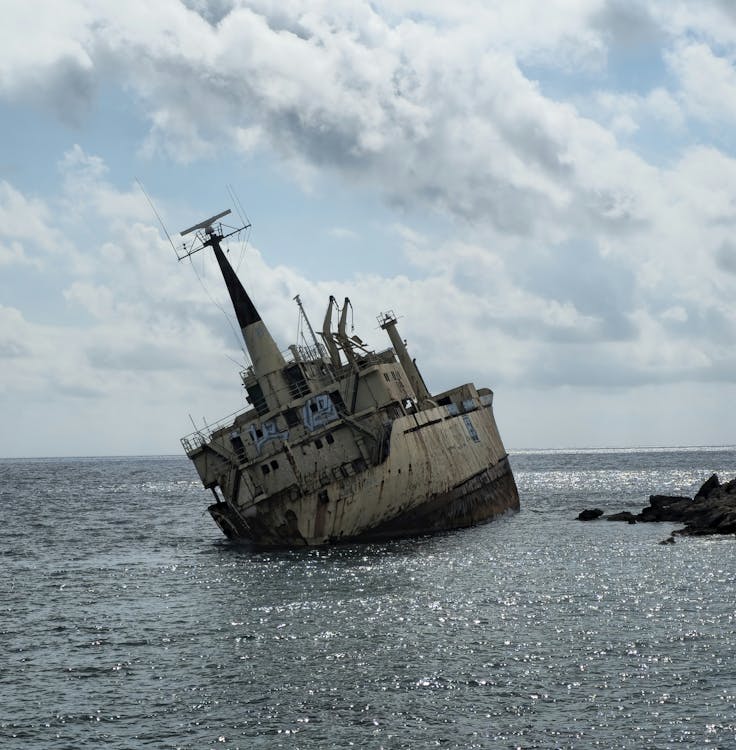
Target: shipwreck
x=341 y=443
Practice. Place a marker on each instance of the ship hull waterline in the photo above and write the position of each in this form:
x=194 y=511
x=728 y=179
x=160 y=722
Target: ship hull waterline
x=482 y=498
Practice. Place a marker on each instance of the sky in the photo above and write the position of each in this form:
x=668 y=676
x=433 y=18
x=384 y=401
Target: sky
x=544 y=193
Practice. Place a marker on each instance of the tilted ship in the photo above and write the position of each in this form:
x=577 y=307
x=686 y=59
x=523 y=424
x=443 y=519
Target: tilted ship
x=342 y=443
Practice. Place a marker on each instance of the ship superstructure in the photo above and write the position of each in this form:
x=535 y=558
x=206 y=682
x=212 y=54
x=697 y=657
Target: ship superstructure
x=342 y=443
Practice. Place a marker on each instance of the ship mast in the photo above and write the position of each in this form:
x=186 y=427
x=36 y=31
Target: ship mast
x=387 y=321
x=317 y=348
x=264 y=353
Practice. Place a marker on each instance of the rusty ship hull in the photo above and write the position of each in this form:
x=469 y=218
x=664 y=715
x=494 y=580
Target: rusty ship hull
x=412 y=492
x=341 y=443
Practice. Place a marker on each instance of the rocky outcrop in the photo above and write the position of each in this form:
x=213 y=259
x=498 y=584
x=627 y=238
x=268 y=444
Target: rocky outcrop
x=709 y=485
x=623 y=516
x=590 y=514
x=711 y=511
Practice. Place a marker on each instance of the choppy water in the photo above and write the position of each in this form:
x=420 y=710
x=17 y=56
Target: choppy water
x=126 y=622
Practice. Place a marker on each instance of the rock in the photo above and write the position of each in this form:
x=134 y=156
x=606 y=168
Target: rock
x=696 y=531
x=590 y=514
x=659 y=501
x=712 y=511
x=671 y=510
x=730 y=487
x=708 y=486
x=669 y=540
x=623 y=516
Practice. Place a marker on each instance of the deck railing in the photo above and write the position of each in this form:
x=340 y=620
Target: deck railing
x=199 y=437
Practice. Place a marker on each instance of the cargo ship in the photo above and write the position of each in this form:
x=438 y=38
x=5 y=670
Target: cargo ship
x=341 y=443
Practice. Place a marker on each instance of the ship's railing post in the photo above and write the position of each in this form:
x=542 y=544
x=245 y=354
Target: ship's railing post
x=200 y=437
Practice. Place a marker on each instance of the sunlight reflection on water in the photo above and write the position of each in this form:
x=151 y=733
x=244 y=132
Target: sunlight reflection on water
x=127 y=621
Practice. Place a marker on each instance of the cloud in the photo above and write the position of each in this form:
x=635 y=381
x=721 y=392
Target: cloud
x=710 y=20
x=625 y=23
x=51 y=66
x=435 y=110
x=342 y=233
x=726 y=257
x=14 y=254
x=708 y=82
x=565 y=254
x=626 y=113
x=26 y=220
x=138 y=321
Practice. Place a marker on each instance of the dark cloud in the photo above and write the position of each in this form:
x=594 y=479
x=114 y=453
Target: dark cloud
x=68 y=90
x=726 y=257
x=535 y=328
x=13 y=349
x=727 y=7
x=326 y=142
x=706 y=326
x=575 y=272
x=539 y=146
x=626 y=23
x=140 y=357
x=591 y=366
x=77 y=390
x=212 y=11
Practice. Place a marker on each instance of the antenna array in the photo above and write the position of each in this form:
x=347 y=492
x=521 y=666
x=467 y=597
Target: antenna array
x=205 y=232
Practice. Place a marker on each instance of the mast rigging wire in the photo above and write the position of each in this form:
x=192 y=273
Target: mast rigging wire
x=155 y=212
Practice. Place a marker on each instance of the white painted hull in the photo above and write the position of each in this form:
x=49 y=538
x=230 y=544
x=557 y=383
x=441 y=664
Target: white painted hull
x=443 y=471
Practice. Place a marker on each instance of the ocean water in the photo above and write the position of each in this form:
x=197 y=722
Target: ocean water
x=127 y=621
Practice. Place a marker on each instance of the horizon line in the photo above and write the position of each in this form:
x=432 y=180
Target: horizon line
x=511 y=452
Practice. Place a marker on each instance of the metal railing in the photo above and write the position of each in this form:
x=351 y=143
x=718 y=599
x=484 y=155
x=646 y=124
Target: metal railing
x=200 y=437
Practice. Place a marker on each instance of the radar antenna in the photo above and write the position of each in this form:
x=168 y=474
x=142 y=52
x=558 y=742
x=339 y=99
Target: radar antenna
x=206 y=234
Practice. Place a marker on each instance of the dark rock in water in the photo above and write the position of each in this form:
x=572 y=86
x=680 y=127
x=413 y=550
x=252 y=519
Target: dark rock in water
x=623 y=516
x=720 y=520
x=590 y=514
x=708 y=486
x=659 y=501
x=730 y=487
x=712 y=511
x=665 y=508
x=669 y=540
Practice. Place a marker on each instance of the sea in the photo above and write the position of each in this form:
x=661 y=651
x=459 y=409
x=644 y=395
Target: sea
x=128 y=621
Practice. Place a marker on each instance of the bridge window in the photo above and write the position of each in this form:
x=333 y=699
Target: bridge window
x=295 y=378
x=256 y=397
x=292 y=419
